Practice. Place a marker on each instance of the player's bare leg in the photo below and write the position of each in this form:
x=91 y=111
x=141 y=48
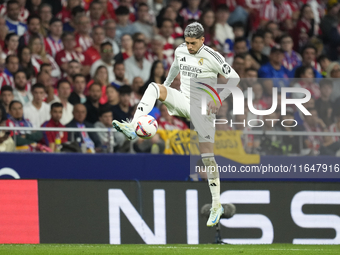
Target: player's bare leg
x=208 y=159
x=153 y=92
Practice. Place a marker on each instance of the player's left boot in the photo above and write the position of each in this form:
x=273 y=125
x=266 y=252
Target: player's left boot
x=125 y=128
x=215 y=215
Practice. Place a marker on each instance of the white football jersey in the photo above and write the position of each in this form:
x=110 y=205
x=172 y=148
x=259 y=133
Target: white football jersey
x=206 y=63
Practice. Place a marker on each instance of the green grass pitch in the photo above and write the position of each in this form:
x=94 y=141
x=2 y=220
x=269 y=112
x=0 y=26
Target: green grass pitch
x=70 y=249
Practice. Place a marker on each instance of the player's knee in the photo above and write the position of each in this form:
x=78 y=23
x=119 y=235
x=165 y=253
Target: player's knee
x=162 y=92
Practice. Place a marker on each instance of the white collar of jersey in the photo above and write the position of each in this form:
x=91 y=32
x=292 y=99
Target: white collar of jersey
x=199 y=50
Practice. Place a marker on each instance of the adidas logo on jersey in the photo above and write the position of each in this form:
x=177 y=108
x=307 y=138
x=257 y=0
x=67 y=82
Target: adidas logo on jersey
x=182 y=59
x=212 y=184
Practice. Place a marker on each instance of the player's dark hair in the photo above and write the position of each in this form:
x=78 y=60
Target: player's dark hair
x=56 y=105
x=12 y=103
x=37 y=86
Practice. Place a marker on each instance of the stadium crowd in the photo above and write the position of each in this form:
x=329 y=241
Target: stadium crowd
x=82 y=63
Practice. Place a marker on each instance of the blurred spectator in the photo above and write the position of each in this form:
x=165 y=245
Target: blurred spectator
x=168 y=122
x=257 y=44
x=324 y=62
x=6 y=97
x=306 y=81
x=112 y=96
x=93 y=52
x=119 y=72
x=11 y=44
x=305 y=27
x=333 y=71
x=110 y=33
x=45 y=13
x=126 y=48
x=64 y=92
x=155 y=51
x=75 y=14
x=13 y=19
x=328 y=26
x=123 y=26
x=90 y=139
x=101 y=77
x=136 y=86
x=33 y=6
x=166 y=31
x=65 y=14
x=69 y=53
x=268 y=42
x=250 y=78
x=33 y=29
x=308 y=54
x=50 y=137
x=53 y=43
x=278 y=11
x=143 y=24
x=45 y=79
x=115 y=139
x=79 y=84
x=271 y=144
x=208 y=22
x=258 y=102
x=39 y=56
x=192 y=11
x=223 y=30
x=276 y=74
x=25 y=63
x=16 y=119
x=37 y=111
x=92 y=103
x=291 y=58
x=238 y=65
x=335 y=127
x=313 y=145
x=82 y=36
x=239 y=47
x=122 y=111
x=96 y=13
x=157 y=73
x=3 y=115
x=106 y=53
x=171 y=14
x=138 y=65
x=6 y=142
x=323 y=105
x=11 y=67
x=21 y=91
x=73 y=68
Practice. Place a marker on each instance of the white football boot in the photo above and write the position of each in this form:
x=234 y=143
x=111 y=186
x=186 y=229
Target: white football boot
x=126 y=128
x=215 y=214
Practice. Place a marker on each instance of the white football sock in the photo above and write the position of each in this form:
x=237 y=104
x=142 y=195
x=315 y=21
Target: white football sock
x=147 y=102
x=213 y=174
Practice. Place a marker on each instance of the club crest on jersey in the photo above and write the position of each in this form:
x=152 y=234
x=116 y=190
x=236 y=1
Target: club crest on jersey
x=226 y=69
x=200 y=62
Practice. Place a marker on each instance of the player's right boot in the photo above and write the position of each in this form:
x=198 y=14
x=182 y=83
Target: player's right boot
x=126 y=128
x=215 y=215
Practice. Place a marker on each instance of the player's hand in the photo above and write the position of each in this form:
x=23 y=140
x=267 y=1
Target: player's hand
x=212 y=108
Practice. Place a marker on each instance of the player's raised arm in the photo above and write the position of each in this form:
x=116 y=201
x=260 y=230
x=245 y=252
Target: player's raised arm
x=173 y=72
x=223 y=68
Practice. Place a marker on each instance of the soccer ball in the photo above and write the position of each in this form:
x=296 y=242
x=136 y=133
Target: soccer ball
x=146 y=126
